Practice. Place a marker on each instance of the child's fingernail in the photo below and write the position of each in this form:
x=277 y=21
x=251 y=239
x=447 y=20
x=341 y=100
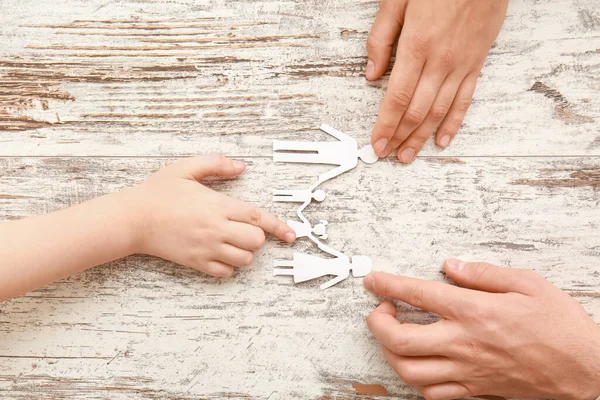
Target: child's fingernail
x=407 y=155
x=289 y=237
x=455 y=264
x=239 y=164
x=369 y=282
x=379 y=146
x=370 y=69
x=445 y=141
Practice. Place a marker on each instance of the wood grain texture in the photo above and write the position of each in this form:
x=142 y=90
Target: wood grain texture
x=95 y=95
x=144 y=328
x=131 y=77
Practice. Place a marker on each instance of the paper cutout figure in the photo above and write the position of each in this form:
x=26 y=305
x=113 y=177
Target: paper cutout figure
x=305 y=267
x=344 y=153
x=298 y=196
x=305 y=229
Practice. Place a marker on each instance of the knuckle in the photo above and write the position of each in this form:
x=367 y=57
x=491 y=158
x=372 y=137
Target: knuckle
x=416 y=296
x=428 y=393
x=259 y=239
x=407 y=373
x=419 y=139
x=395 y=142
x=255 y=216
x=197 y=263
x=483 y=315
x=530 y=280
x=228 y=273
x=420 y=45
x=449 y=127
x=471 y=349
x=400 y=344
x=219 y=272
x=414 y=116
x=398 y=99
x=374 y=43
x=463 y=104
x=438 y=112
x=383 y=287
x=447 y=59
x=247 y=259
x=479 y=269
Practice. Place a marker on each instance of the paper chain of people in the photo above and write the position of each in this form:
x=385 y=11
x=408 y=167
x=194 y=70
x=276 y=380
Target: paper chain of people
x=345 y=154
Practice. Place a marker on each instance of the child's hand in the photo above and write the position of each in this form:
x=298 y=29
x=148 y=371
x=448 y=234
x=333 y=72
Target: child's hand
x=184 y=221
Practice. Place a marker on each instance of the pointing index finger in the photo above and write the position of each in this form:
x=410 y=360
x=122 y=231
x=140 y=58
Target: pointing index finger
x=437 y=297
x=249 y=214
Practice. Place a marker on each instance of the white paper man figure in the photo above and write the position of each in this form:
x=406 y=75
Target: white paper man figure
x=305 y=267
x=344 y=153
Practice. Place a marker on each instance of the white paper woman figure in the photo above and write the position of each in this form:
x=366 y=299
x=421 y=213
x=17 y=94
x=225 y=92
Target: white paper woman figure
x=305 y=267
x=344 y=153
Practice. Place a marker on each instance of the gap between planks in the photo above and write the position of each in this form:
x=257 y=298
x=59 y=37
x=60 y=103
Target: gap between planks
x=175 y=156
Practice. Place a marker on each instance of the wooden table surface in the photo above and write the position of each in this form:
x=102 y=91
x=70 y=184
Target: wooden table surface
x=97 y=94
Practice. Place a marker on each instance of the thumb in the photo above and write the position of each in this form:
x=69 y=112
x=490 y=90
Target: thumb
x=385 y=308
x=201 y=167
x=384 y=33
x=491 y=278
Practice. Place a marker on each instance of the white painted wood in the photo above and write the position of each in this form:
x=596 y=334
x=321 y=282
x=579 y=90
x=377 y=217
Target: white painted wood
x=143 y=328
x=131 y=77
x=136 y=81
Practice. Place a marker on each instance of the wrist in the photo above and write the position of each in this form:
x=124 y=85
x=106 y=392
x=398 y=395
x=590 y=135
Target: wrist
x=132 y=214
x=592 y=387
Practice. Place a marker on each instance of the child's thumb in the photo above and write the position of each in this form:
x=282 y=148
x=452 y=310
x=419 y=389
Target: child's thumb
x=204 y=166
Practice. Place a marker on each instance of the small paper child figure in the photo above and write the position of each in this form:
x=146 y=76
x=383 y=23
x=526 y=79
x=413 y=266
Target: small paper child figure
x=305 y=229
x=305 y=267
x=344 y=153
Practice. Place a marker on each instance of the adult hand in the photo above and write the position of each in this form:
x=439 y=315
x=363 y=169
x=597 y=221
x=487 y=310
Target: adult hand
x=186 y=222
x=441 y=50
x=507 y=332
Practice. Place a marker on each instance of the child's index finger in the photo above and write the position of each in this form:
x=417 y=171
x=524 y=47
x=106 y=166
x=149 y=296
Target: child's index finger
x=249 y=214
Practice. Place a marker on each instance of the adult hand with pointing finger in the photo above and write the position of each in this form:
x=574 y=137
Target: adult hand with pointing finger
x=442 y=46
x=506 y=332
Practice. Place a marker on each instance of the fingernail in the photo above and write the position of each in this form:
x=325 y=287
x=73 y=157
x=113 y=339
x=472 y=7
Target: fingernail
x=239 y=164
x=445 y=141
x=455 y=264
x=289 y=237
x=370 y=69
x=379 y=146
x=407 y=155
x=369 y=282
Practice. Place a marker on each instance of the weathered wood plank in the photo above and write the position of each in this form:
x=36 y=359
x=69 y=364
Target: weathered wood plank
x=133 y=77
x=143 y=328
